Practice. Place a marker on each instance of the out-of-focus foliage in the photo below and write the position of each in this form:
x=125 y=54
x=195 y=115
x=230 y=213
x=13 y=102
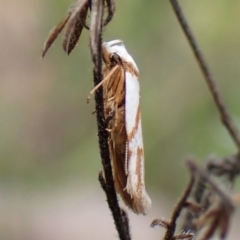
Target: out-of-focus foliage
x=48 y=132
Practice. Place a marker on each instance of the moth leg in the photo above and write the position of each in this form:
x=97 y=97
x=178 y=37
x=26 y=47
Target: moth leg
x=101 y=83
x=110 y=99
x=109 y=116
x=108 y=130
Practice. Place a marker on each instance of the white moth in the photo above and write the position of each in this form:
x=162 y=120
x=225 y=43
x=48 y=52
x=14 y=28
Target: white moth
x=121 y=105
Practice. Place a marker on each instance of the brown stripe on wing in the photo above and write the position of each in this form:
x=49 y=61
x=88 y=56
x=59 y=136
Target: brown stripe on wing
x=131 y=135
x=129 y=67
x=139 y=167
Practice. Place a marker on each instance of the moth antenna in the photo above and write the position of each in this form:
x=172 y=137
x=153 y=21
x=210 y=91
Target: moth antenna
x=101 y=83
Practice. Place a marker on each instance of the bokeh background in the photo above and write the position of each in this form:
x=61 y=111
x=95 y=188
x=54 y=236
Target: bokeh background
x=49 y=159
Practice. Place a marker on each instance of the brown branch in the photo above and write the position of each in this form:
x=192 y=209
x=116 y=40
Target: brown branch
x=215 y=217
x=107 y=183
x=204 y=176
x=224 y=115
x=229 y=168
x=219 y=212
x=111 y=10
x=176 y=212
x=171 y=226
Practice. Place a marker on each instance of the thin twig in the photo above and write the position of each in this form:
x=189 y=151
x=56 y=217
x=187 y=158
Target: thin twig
x=204 y=176
x=224 y=115
x=176 y=212
x=218 y=214
x=120 y=217
x=111 y=10
x=171 y=226
x=228 y=168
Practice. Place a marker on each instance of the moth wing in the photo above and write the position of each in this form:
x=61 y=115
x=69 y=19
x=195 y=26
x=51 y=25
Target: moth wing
x=113 y=91
x=134 y=154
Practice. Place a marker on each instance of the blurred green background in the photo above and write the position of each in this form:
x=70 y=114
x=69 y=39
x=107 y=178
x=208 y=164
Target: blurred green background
x=49 y=159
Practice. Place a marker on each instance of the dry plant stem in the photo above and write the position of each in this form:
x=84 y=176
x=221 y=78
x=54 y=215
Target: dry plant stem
x=228 y=167
x=111 y=11
x=180 y=206
x=125 y=224
x=122 y=223
x=204 y=176
x=120 y=217
x=74 y=23
x=225 y=117
x=220 y=215
x=190 y=215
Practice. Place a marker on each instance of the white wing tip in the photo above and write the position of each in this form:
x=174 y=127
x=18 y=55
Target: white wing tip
x=143 y=205
x=141 y=202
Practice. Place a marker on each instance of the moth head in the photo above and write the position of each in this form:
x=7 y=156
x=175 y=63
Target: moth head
x=117 y=48
x=111 y=48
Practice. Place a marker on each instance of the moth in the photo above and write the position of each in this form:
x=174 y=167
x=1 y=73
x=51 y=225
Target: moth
x=122 y=112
